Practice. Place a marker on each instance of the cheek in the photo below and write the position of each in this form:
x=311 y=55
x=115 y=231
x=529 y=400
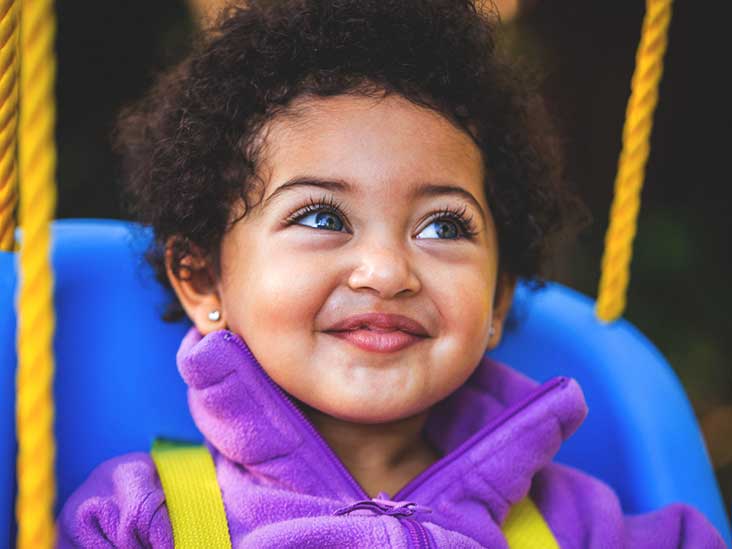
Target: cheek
x=272 y=290
x=464 y=301
x=463 y=295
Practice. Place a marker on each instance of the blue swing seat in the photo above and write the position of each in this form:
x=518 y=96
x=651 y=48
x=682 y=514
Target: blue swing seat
x=117 y=386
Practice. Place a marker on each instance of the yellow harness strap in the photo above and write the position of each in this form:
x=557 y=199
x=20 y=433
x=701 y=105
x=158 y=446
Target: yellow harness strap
x=197 y=511
x=525 y=528
x=192 y=495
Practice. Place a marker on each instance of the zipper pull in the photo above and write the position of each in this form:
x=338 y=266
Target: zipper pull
x=384 y=507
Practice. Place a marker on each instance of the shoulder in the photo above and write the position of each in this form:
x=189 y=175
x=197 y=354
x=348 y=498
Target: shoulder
x=584 y=512
x=121 y=504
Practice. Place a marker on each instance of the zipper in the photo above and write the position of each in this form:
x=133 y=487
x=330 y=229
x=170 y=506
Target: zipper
x=499 y=420
x=303 y=420
x=419 y=536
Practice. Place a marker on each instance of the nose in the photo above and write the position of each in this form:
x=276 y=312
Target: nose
x=385 y=269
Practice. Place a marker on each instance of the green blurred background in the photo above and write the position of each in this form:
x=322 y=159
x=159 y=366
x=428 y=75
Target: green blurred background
x=679 y=294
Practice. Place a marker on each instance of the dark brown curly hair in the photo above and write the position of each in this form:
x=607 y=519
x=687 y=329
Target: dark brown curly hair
x=190 y=146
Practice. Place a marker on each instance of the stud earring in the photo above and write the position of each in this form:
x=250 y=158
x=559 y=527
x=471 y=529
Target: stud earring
x=492 y=331
x=214 y=316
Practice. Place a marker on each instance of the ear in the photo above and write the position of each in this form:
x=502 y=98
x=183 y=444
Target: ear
x=505 y=286
x=195 y=285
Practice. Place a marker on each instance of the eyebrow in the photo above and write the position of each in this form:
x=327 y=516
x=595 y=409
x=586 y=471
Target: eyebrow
x=428 y=189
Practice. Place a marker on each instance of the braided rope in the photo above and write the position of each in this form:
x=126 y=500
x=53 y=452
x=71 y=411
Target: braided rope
x=8 y=121
x=631 y=166
x=37 y=167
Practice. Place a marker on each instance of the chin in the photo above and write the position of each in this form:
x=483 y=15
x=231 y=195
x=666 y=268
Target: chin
x=371 y=413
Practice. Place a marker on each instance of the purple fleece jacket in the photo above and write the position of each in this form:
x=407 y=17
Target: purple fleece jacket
x=283 y=486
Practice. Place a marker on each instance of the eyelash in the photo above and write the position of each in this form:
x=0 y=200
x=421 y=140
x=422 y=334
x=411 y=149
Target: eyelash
x=327 y=203
x=465 y=223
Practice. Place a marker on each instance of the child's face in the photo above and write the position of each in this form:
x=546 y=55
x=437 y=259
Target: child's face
x=283 y=286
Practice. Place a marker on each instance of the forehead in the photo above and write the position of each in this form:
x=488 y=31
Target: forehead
x=386 y=144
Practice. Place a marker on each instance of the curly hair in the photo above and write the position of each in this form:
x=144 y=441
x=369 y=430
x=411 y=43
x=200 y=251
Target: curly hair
x=190 y=146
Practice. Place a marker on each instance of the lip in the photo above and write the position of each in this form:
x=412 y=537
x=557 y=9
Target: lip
x=379 y=332
x=380 y=323
x=378 y=342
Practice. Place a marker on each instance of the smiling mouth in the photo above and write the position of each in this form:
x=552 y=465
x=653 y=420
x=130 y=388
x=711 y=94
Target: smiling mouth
x=377 y=340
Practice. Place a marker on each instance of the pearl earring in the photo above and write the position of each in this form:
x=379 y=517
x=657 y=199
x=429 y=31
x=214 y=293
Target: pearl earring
x=492 y=331
x=214 y=316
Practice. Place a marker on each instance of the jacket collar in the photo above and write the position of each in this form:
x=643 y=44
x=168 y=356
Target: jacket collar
x=495 y=432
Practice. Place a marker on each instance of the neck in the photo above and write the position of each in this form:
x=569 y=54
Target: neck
x=381 y=457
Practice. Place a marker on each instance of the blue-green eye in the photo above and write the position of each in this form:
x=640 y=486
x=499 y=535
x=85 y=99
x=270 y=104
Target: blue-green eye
x=442 y=229
x=323 y=219
x=324 y=214
x=449 y=224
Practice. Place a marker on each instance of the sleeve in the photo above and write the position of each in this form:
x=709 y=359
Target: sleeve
x=584 y=512
x=121 y=504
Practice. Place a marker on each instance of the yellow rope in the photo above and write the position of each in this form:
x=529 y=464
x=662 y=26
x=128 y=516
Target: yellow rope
x=632 y=163
x=8 y=121
x=37 y=167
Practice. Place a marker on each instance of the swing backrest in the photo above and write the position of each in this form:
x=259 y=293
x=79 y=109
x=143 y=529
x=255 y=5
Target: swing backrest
x=117 y=387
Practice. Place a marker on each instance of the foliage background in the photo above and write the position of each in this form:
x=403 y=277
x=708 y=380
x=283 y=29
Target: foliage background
x=679 y=294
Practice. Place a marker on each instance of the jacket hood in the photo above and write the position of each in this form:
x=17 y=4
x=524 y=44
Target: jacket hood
x=497 y=430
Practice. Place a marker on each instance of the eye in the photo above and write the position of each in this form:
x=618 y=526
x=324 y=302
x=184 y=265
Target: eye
x=441 y=228
x=323 y=219
x=449 y=224
x=322 y=214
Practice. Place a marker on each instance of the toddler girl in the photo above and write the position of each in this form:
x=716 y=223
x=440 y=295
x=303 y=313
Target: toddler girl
x=343 y=194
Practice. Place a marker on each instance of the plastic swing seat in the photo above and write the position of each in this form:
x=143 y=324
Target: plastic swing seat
x=117 y=387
